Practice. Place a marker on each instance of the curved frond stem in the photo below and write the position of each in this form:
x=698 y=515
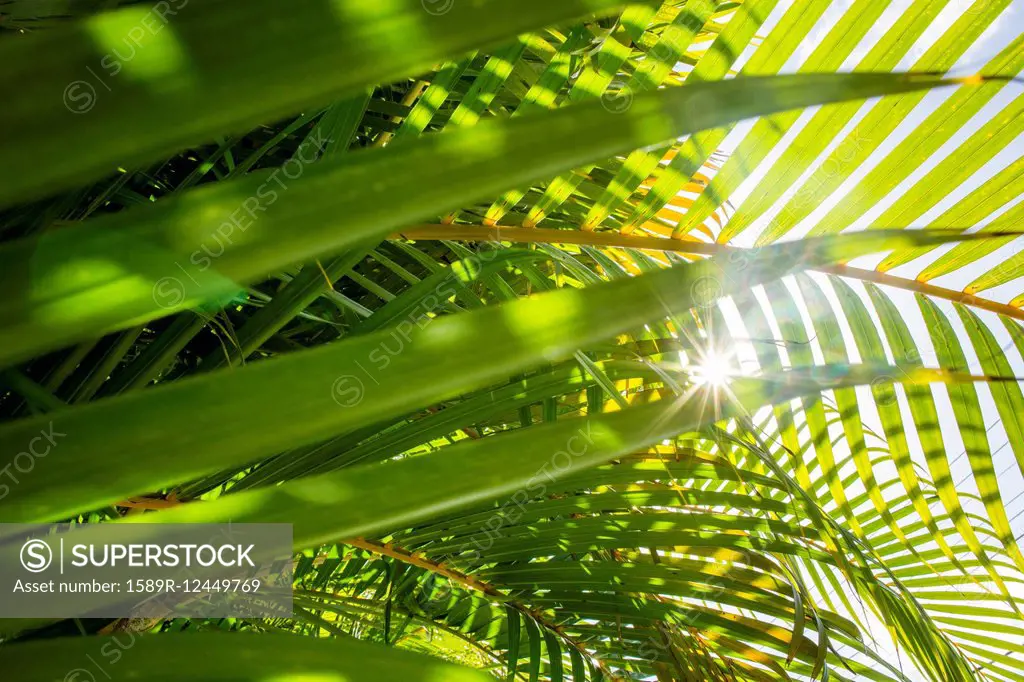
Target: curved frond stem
x=472 y=583
x=537 y=235
x=543 y=235
x=926 y=289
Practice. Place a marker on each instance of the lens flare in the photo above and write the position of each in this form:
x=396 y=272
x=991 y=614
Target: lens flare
x=713 y=370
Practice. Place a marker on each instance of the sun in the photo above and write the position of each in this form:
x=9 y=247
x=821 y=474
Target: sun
x=713 y=370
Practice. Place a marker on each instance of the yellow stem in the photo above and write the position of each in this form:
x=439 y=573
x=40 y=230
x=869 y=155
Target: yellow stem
x=618 y=240
x=471 y=583
x=528 y=235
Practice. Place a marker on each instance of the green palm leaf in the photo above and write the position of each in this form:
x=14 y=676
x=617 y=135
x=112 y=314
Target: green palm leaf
x=515 y=348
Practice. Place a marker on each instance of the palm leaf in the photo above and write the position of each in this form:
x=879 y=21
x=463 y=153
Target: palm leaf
x=516 y=351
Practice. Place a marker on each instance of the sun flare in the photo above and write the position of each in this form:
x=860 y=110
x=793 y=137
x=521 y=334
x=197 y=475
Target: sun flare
x=713 y=369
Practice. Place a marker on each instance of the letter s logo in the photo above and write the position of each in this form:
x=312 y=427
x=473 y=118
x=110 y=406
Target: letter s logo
x=36 y=556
